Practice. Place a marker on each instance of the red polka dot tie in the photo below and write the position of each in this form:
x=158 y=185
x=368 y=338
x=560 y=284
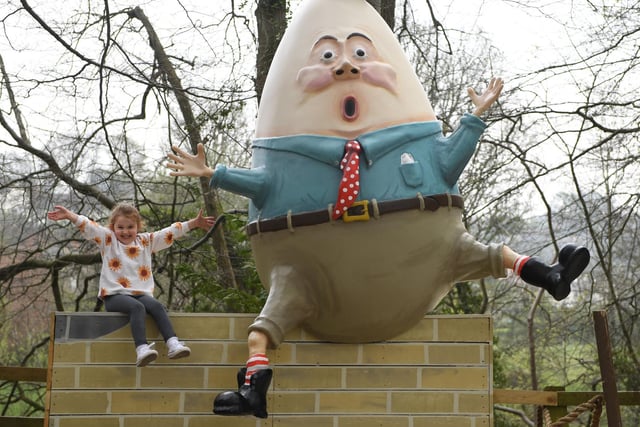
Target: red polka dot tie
x=350 y=184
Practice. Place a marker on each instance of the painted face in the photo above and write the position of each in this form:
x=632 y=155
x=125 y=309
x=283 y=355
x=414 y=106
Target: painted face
x=340 y=71
x=126 y=229
x=345 y=63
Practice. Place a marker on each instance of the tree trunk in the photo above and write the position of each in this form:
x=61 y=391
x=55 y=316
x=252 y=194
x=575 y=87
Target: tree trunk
x=271 y=21
x=386 y=9
x=227 y=276
x=271 y=16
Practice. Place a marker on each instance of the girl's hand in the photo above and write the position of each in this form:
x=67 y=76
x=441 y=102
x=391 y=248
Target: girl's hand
x=204 y=222
x=59 y=213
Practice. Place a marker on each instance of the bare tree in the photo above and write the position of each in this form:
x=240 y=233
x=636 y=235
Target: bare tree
x=90 y=121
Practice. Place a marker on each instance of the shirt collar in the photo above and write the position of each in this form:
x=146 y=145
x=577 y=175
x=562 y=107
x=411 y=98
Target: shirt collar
x=330 y=149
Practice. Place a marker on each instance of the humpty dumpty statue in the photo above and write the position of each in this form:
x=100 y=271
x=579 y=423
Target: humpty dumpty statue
x=355 y=218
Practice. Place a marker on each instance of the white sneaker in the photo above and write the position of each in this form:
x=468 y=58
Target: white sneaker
x=146 y=354
x=177 y=349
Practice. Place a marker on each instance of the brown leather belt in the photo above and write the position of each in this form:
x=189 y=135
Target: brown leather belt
x=359 y=211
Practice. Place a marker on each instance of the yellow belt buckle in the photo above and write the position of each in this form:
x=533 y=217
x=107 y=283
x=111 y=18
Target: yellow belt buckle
x=363 y=216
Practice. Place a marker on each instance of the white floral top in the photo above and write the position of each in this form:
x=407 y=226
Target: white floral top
x=126 y=269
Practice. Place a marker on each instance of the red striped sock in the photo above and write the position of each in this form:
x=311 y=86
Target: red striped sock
x=519 y=263
x=255 y=363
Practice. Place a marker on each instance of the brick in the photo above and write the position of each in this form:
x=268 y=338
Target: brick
x=221 y=421
x=292 y=403
x=455 y=377
x=424 y=402
x=113 y=352
x=168 y=377
x=422 y=332
x=236 y=353
x=446 y=421
x=297 y=334
x=468 y=328
x=200 y=401
x=457 y=354
x=222 y=377
x=381 y=377
x=144 y=402
x=393 y=354
x=240 y=327
x=104 y=377
x=284 y=354
x=201 y=326
x=62 y=377
x=381 y=421
x=326 y=353
x=70 y=352
x=79 y=402
x=302 y=421
x=97 y=421
x=318 y=377
x=474 y=403
x=363 y=402
x=157 y=421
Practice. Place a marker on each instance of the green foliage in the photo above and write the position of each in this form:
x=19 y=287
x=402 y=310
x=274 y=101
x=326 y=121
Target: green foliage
x=462 y=299
x=626 y=371
x=209 y=296
x=206 y=293
x=22 y=399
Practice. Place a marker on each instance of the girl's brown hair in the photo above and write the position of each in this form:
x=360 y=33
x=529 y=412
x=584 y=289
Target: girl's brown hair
x=128 y=211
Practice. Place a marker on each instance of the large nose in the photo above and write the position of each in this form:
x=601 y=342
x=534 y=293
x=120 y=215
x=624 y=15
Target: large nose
x=346 y=70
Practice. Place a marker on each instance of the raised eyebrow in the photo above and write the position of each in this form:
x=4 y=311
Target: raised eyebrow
x=357 y=35
x=327 y=37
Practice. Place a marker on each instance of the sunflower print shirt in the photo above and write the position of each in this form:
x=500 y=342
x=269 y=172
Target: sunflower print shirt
x=126 y=269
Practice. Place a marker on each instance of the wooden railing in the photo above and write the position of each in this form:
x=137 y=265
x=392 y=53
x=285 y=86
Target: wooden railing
x=22 y=374
x=562 y=407
x=558 y=398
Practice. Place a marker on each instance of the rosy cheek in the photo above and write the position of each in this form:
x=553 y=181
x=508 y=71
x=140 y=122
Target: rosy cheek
x=314 y=78
x=379 y=74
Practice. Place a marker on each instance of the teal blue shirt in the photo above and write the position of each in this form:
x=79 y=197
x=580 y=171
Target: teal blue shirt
x=301 y=173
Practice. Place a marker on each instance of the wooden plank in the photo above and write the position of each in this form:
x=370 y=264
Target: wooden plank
x=21 y=373
x=544 y=398
x=558 y=398
x=560 y=410
x=574 y=398
x=21 y=421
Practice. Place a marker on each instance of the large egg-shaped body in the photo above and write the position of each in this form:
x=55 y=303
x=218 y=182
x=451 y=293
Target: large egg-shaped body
x=339 y=73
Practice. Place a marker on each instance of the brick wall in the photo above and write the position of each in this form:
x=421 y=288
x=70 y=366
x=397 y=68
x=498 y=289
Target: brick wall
x=438 y=374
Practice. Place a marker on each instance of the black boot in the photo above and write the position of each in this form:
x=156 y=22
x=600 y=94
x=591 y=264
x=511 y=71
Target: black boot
x=557 y=278
x=249 y=399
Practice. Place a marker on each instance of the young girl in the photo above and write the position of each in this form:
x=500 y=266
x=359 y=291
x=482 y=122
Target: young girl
x=126 y=282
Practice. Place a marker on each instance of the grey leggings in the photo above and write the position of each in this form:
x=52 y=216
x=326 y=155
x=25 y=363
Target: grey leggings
x=137 y=307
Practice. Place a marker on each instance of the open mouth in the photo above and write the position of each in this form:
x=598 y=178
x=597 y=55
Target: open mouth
x=350 y=108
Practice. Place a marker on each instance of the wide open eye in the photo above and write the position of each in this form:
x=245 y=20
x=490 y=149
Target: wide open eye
x=360 y=53
x=328 y=55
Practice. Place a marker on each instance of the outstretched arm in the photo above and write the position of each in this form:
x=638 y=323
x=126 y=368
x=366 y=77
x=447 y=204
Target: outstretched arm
x=483 y=101
x=60 y=212
x=204 y=222
x=186 y=164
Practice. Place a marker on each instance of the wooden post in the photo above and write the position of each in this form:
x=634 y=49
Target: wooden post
x=606 y=369
x=556 y=411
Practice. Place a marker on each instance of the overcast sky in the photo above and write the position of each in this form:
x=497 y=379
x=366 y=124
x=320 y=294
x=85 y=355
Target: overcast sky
x=530 y=34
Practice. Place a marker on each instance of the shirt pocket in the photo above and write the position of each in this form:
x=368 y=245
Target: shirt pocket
x=411 y=171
